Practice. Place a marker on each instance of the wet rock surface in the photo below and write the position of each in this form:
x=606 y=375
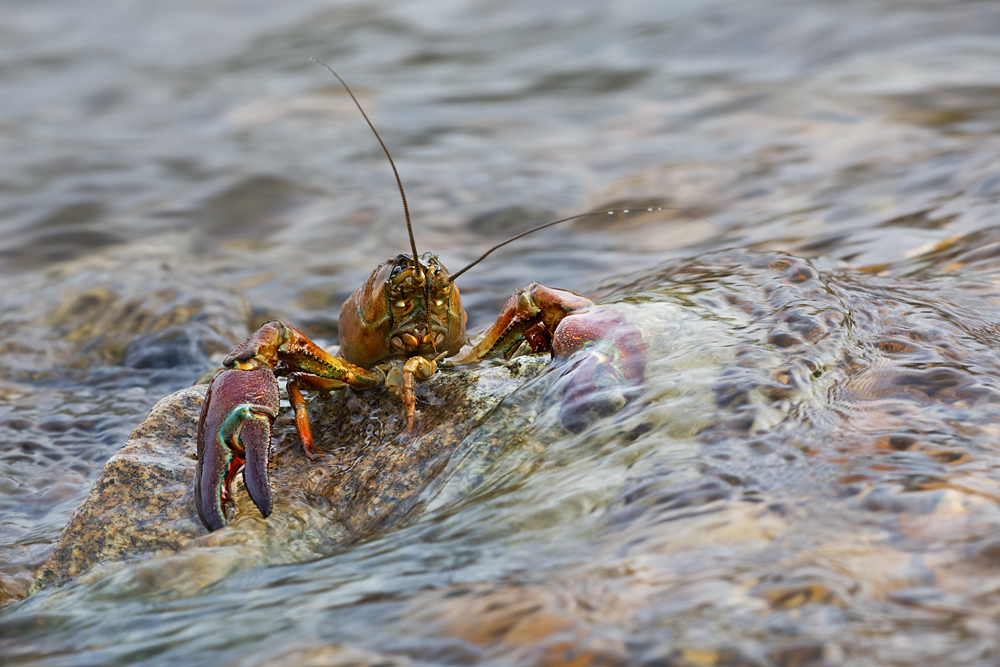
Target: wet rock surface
x=370 y=475
x=140 y=503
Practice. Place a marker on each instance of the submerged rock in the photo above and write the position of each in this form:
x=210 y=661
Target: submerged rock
x=765 y=374
x=370 y=476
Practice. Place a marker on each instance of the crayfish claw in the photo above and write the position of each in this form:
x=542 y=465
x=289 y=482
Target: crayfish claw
x=256 y=438
x=211 y=485
x=609 y=367
x=235 y=430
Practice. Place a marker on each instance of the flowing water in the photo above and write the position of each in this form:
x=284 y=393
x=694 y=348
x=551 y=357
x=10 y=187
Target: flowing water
x=175 y=173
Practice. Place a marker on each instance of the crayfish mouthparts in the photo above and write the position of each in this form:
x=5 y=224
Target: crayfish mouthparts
x=408 y=342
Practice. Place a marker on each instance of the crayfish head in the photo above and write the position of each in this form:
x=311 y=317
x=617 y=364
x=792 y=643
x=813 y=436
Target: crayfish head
x=404 y=309
x=425 y=307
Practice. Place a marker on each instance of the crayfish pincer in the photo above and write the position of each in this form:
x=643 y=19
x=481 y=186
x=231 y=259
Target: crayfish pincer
x=393 y=330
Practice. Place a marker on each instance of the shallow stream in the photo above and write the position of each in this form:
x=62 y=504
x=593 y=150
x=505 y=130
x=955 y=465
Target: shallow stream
x=176 y=173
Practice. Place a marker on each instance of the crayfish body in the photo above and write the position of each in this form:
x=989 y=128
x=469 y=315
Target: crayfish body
x=393 y=330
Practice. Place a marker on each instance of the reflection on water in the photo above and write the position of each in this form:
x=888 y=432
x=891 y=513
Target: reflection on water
x=809 y=477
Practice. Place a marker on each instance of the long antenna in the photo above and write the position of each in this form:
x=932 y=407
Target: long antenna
x=406 y=209
x=572 y=217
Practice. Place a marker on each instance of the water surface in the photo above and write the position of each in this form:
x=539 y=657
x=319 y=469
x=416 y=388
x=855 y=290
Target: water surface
x=176 y=173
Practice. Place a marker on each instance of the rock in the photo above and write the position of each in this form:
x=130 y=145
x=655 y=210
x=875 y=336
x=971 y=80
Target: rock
x=142 y=503
x=138 y=502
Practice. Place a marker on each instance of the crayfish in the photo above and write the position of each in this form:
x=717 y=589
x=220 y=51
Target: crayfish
x=393 y=331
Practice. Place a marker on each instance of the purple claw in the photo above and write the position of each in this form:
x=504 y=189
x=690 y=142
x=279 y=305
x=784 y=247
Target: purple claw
x=234 y=431
x=609 y=370
x=256 y=437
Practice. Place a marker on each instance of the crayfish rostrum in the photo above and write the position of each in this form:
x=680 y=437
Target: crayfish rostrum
x=393 y=330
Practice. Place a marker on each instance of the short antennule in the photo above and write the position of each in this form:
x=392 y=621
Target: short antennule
x=406 y=209
x=572 y=217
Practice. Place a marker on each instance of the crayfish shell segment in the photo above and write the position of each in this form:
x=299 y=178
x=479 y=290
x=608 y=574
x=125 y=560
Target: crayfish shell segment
x=365 y=321
x=234 y=431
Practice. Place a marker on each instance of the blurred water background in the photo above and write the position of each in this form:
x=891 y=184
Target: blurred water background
x=175 y=173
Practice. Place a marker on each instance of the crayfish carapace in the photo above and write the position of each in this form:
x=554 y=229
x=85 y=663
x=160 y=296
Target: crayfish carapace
x=393 y=331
